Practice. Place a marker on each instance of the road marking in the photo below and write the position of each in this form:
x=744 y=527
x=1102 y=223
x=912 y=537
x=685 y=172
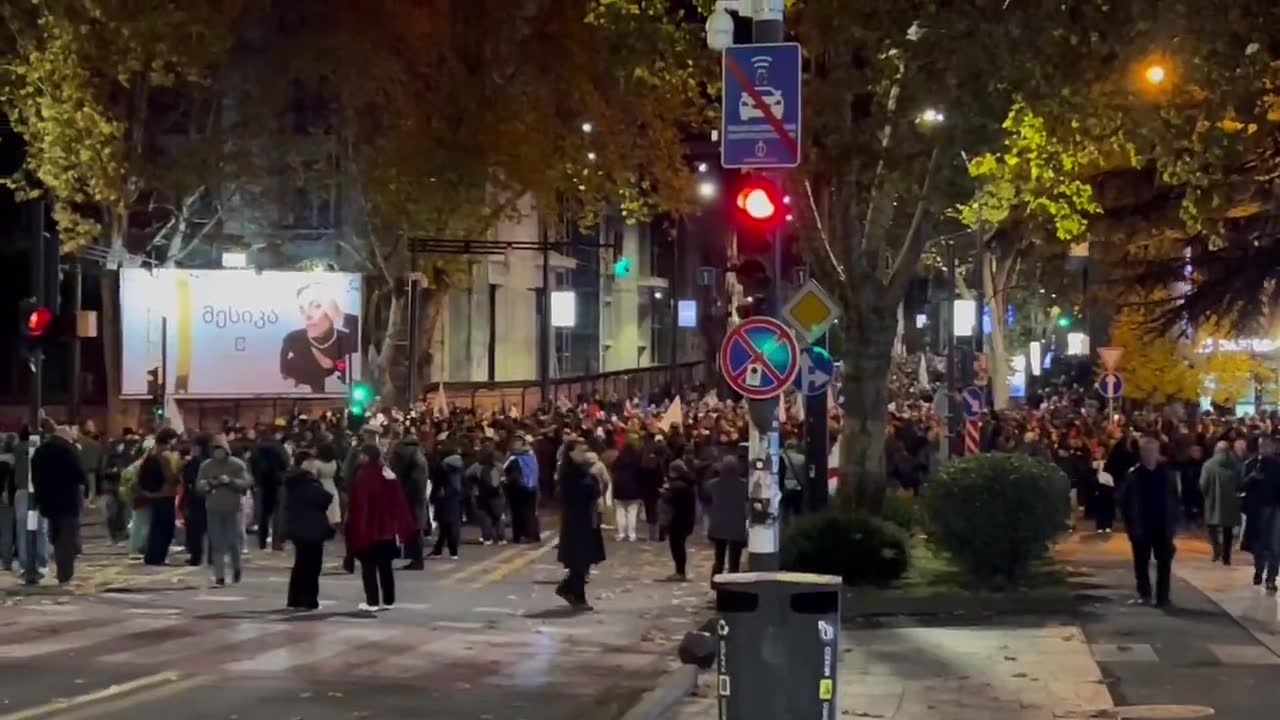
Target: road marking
x=496 y=611
x=50 y=607
x=64 y=704
x=81 y=638
x=457 y=625
x=128 y=596
x=307 y=651
x=220 y=598
x=120 y=705
x=482 y=565
x=412 y=606
x=153 y=611
x=415 y=662
x=516 y=564
x=186 y=646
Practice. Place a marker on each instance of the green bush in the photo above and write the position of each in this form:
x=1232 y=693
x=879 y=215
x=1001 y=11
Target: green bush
x=862 y=550
x=996 y=514
x=902 y=510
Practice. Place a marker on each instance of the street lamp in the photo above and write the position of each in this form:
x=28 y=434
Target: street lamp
x=931 y=116
x=588 y=128
x=1155 y=74
x=708 y=190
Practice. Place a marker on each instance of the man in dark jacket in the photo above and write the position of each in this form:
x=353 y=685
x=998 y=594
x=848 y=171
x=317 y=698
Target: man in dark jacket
x=59 y=480
x=410 y=467
x=581 y=545
x=269 y=464
x=1262 y=498
x=446 y=498
x=1149 y=503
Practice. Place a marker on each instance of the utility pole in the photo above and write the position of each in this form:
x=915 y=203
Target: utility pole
x=77 y=286
x=414 y=328
x=41 y=291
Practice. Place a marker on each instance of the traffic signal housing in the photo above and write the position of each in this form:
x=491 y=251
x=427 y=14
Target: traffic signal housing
x=155 y=390
x=361 y=396
x=35 y=325
x=759 y=208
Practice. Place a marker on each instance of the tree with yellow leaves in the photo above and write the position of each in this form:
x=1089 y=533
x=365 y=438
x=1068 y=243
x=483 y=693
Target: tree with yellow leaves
x=1160 y=368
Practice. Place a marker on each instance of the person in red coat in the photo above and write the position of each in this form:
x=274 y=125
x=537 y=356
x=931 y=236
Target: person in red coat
x=378 y=520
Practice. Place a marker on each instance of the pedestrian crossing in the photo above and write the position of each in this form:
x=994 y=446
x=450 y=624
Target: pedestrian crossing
x=372 y=650
x=1255 y=654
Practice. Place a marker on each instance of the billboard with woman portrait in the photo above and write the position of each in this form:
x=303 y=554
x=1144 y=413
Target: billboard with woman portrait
x=240 y=333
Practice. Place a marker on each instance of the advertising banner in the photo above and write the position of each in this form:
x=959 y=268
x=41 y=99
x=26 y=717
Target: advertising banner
x=240 y=333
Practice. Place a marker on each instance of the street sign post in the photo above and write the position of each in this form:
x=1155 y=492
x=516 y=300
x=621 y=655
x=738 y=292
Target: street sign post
x=759 y=358
x=810 y=311
x=760 y=117
x=816 y=371
x=1110 y=386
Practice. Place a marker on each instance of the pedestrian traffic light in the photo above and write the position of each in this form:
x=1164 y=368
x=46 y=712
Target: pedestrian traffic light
x=1064 y=321
x=755 y=282
x=358 y=405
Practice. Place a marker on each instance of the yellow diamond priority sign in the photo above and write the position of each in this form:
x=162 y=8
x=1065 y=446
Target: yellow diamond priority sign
x=810 y=311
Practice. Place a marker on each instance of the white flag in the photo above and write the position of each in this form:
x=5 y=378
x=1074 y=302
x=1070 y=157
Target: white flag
x=673 y=415
x=924 y=372
x=440 y=407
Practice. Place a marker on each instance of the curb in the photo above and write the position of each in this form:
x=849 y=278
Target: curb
x=671 y=689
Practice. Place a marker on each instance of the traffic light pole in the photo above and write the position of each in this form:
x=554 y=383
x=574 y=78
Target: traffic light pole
x=39 y=281
x=763 y=545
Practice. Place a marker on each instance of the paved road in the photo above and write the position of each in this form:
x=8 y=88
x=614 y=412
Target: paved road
x=1194 y=654
x=481 y=637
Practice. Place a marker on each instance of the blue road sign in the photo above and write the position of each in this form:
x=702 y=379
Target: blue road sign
x=816 y=371
x=760 y=113
x=759 y=358
x=973 y=400
x=1110 y=385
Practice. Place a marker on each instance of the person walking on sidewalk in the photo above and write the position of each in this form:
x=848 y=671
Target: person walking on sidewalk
x=379 y=517
x=1149 y=506
x=224 y=481
x=1262 y=499
x=58 y=478
x=1220 y=484
x=728 y=529
x=410 y=466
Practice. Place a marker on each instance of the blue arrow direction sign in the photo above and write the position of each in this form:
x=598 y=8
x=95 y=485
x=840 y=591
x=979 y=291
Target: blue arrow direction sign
x=759 y=358
x=816 y=371
x=973 y=400
x=1110 y=385
x=760 y=112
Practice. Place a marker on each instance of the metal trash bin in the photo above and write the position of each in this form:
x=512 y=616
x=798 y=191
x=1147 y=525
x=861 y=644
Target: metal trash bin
x=778 y=640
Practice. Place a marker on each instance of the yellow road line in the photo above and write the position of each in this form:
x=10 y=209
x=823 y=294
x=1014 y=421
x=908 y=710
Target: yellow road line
x=71 y=703
x=120 y=704
x=518 y=563
x=472 y=570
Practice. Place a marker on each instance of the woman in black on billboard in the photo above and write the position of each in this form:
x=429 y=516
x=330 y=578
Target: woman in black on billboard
x=310 y=354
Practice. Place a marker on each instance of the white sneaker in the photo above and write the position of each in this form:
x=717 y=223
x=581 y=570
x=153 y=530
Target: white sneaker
x=384 y=608
x=366 y=607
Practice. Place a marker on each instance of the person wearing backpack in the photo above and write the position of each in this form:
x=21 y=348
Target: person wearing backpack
x=794 y=471
x=521 y=475
x=158 y=481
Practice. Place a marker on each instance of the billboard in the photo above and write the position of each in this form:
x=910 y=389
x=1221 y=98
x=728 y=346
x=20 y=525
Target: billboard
x=240 y=333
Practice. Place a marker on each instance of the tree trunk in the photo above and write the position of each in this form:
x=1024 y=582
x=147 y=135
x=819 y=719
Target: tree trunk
x=386 y=356
x=996 y=274
x=867 y=355
x=433 y=304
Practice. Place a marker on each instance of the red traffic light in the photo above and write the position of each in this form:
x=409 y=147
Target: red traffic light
x=38 y=321
x=760 y=204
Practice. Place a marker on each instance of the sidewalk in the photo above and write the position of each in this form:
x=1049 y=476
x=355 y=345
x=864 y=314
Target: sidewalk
x=957 y=673
x=1231 y=588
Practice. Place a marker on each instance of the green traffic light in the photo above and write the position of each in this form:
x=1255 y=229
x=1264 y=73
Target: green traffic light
x=1064 y=321
x=622 y=267
x=361 y=394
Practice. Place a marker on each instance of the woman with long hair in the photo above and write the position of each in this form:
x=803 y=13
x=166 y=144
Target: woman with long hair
x=378 y=522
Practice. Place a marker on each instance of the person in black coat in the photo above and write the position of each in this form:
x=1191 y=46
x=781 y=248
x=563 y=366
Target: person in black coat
x=59 y=480
x=580 y=541
x=307 y=519
x=680 y=498
x=193 y=509
x=446 y=498
x=1149 y=504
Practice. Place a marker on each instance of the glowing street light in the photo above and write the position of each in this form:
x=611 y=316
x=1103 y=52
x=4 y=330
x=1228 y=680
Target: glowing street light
x=931 y=116
x=708 y=190
x=703 y=167
x=588 y=127
x=1155 y=74
x=591 y=156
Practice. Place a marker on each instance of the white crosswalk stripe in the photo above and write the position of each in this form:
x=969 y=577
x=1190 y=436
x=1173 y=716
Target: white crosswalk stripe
x=85 y=637
x=308 y=651
x=191 y=646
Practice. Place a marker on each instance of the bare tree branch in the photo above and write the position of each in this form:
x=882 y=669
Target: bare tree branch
x=904 y=267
